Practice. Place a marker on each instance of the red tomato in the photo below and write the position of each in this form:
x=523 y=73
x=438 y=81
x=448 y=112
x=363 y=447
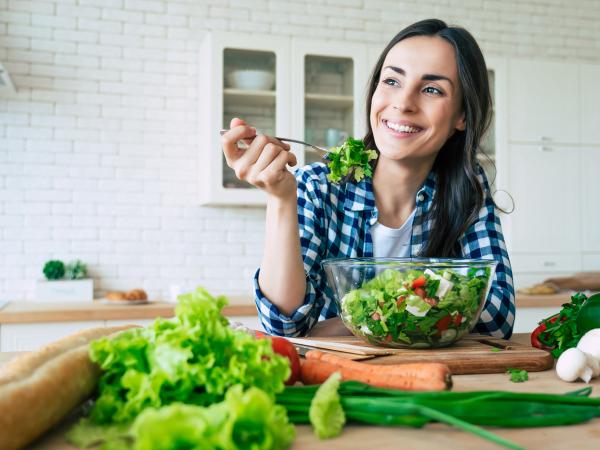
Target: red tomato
x=283 y=347
x=420 y=292
x=458 y=319
x=419 y=282
x=443 y=323
x=400 y=299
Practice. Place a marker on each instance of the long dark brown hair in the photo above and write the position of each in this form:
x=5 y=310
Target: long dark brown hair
x=459 y=194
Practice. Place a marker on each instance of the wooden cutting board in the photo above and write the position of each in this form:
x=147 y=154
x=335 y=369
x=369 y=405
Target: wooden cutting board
x=470 y=355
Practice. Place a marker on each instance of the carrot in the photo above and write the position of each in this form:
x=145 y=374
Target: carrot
x=408 y=377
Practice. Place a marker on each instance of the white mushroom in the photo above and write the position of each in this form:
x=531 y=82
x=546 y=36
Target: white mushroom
x=573 y=364
x=590 y=345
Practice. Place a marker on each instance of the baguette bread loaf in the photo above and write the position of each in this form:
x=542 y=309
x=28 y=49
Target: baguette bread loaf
x=40 y=388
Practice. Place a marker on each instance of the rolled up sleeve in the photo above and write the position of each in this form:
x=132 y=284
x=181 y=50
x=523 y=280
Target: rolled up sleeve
x=484 y=239
x=312 y=242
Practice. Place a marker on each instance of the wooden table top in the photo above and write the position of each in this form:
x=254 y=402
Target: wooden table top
x=436 y=436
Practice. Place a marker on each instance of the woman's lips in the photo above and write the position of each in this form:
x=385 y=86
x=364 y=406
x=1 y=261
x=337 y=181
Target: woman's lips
x=397 y=130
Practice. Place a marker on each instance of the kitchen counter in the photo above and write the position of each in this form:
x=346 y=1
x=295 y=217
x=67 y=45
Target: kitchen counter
x=584 y=436
x=35 y=312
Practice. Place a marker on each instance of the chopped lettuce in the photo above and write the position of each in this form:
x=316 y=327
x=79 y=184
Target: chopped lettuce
x=350 y=159
x=326 y=414
x=415 y=307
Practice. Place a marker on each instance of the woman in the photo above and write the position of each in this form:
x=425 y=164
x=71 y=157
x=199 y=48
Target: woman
x=428 y=106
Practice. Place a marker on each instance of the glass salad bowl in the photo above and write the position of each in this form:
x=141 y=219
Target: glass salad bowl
x=409 y=302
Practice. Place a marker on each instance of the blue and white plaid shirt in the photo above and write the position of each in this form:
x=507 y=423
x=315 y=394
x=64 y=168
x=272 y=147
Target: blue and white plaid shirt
x=334 y=222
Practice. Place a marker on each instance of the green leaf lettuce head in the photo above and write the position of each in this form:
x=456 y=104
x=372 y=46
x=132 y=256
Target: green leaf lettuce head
x=243 y=420
x=326 y=413
x=351 y=158
x=194 y=358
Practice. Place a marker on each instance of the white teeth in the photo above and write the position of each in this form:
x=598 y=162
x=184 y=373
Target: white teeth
x=402 y=128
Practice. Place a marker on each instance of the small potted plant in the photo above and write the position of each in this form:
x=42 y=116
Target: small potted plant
x=68 y=283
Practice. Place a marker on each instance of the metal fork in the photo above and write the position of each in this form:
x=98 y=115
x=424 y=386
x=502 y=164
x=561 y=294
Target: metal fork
x=321 y=151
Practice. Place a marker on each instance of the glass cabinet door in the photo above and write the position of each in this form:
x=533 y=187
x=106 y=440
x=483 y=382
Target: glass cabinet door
x=328 y=102
x=328 y=83
x=245 y=76
x=249 y=86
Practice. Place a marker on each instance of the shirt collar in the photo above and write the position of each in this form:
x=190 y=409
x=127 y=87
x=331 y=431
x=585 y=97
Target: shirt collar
x=360 y=197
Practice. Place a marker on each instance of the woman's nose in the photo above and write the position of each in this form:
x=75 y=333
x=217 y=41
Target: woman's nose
x=405 y=100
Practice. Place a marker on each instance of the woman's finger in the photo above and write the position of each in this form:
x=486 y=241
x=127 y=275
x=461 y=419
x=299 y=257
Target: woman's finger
x=258 y=146
x=230 y=139
x=275 y=171
x=267 y=155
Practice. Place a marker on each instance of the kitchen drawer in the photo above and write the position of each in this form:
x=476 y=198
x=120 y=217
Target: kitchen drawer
x=526 y=319
x=552 y=262
x=30 y=336
x=590 y=262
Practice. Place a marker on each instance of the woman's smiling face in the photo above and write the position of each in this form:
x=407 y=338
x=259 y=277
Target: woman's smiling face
x=416 y=106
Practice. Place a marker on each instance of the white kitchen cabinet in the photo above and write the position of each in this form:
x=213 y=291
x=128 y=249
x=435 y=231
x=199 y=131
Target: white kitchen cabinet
x=590 y=103
x=590 y=197
x=328 y=85
x=543 y=101
x=18 y=337
x=527 y=319
x=30 y=336
x=221 y=99
x=590 y=262
x=318 y=92
x=544 y=181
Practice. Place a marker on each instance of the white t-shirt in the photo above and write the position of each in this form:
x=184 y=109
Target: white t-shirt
x=392 y=242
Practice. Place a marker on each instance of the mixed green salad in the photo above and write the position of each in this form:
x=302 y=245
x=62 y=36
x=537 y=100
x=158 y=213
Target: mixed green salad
x=350 y=160
x=416 y=308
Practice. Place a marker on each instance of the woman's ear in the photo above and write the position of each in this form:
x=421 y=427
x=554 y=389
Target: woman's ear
x=461 y=123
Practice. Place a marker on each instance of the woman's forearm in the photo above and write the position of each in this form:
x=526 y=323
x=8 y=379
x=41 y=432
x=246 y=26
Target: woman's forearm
x=282 y=279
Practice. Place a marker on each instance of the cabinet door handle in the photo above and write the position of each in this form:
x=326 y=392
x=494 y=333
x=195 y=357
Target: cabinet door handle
x=545 y=138
x=545 y=148
x=549 y=263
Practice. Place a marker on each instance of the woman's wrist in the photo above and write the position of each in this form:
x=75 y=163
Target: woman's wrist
x=282 y=205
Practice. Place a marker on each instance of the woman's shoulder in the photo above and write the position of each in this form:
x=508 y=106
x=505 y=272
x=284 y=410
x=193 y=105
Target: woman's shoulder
x=315 y=172
x=313 y=177
x=313 y=183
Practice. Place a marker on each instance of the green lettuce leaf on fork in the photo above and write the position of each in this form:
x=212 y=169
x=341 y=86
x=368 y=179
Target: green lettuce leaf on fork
x=350 y=160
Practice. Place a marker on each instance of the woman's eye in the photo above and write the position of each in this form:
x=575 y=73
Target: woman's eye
x=432 y=90
x=390 y=81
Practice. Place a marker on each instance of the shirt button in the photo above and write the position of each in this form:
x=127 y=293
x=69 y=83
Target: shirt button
x=420 y=197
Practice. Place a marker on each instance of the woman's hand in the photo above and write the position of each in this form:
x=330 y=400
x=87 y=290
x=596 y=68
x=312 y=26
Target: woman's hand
x=263 y=163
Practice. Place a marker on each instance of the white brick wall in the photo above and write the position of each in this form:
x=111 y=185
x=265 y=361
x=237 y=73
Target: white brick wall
x=98 y=153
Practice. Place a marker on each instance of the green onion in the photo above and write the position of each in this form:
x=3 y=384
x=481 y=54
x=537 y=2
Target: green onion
x=464 y=410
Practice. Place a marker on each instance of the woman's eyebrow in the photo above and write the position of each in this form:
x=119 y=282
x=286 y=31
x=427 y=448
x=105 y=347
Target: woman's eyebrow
x=427 y=76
